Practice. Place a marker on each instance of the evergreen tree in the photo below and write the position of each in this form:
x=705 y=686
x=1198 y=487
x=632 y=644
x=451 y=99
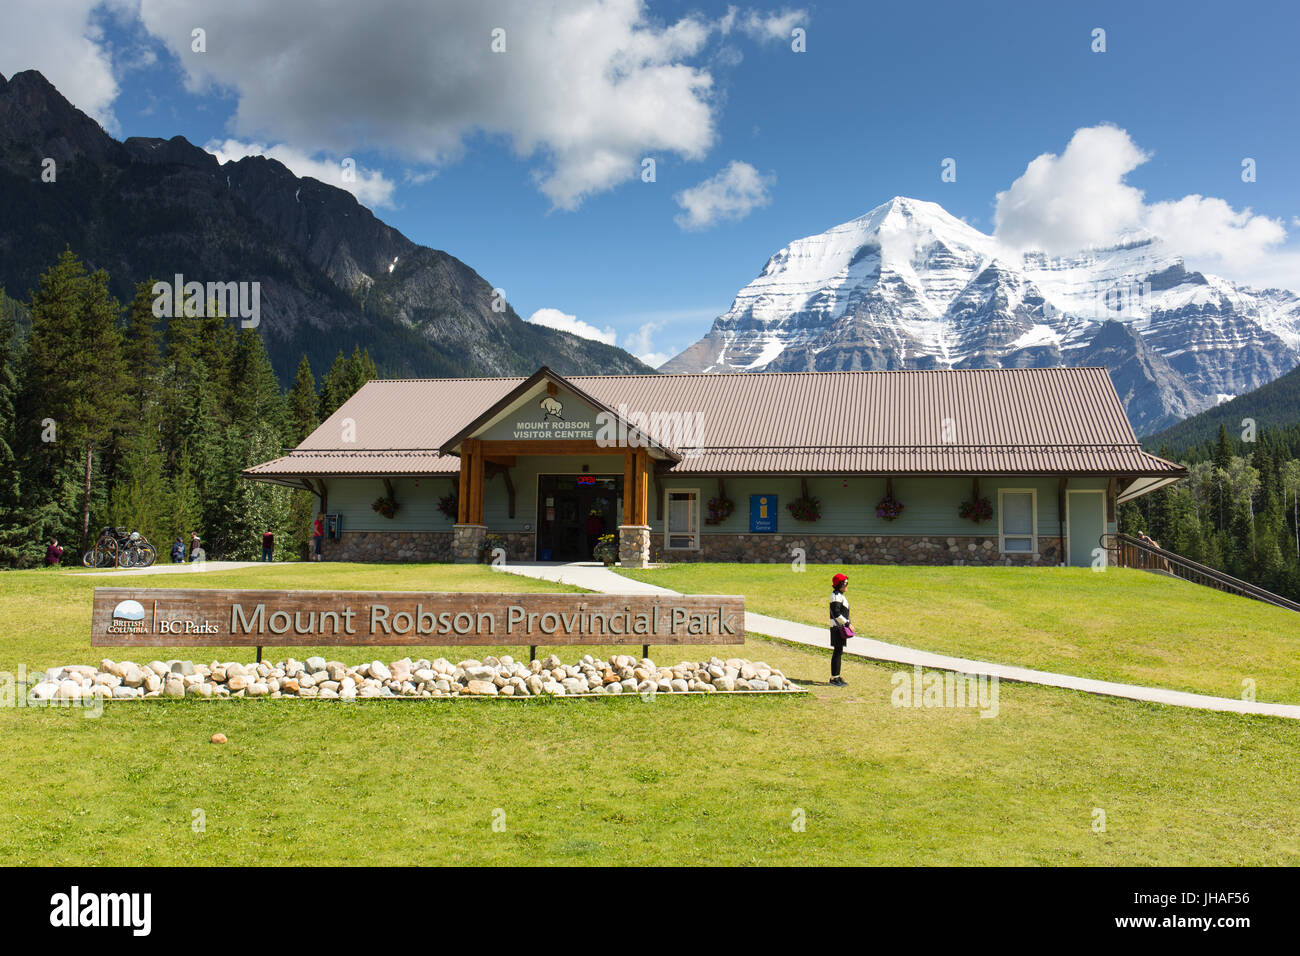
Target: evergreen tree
x=334 y=387
x=1223 y=449
x=24 y=527
x=255 y=394
x=303 y=405
x=76 y=374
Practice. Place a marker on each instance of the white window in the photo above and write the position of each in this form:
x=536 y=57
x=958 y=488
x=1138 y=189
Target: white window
x=682 y=527
x=1017 y=519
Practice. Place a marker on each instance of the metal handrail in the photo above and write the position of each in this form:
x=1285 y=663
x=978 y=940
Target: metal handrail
x=1149 y=557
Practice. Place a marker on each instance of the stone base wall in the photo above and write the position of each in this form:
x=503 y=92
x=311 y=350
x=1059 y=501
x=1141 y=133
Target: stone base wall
x=642 y=545
x=467 y=543
x=858 y=549
x=518 y=545
x=634 y=545
x=376 y=546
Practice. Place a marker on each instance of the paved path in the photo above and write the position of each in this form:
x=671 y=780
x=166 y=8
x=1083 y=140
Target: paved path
x=183 y=568
x=595 y=577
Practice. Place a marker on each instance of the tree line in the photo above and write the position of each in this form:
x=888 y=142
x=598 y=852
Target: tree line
x=108 y=420
x=1237 y=511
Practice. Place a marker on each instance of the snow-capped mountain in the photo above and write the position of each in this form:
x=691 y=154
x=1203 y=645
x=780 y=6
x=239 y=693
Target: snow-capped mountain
x=910 y=286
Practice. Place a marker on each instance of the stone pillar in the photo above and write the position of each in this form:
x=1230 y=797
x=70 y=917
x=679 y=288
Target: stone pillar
x=467 y=542
x=634 y=545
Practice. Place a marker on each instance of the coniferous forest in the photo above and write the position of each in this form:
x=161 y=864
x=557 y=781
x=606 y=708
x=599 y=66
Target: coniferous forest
x=1237 y=511
x=108 y=417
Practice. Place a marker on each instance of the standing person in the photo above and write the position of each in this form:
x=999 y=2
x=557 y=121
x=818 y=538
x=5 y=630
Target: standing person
x=196 y=546
x=595 y=528
x=178 y=550
x=54 y=553
x=841 y=630
x=268 y=544
x=317 y=533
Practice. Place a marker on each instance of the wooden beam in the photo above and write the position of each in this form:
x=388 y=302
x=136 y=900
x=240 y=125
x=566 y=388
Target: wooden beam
x=629 y=486
x=462 y=490
x=543 y=446
x=507 y=460
x=659 y=497
x=475 y=515
x=642 y=479
x=552 y=388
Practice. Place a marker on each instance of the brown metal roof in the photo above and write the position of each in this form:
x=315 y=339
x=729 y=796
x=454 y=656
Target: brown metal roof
x=986 y=421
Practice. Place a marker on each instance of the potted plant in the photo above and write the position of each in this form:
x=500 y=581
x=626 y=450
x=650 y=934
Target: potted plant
x=976 y=509
x=449 y=505
x=720 y=509
x=606 y=550
x=889 y=508
x=386 y=505
x=490 y=543
x=806 y=508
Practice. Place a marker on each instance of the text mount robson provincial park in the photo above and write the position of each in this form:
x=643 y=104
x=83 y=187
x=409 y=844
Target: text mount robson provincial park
x=160 y=617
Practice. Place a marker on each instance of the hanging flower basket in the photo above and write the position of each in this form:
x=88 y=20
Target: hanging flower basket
x=385 y=505
x=889 y=508
x=449 y=505
x=976 y=509
x=720 y=509
x=806 y=508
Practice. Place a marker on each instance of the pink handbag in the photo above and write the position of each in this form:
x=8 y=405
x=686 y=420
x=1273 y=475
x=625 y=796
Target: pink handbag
x=848 y=631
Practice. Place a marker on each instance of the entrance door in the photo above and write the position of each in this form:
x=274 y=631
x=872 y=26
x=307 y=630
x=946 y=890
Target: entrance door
x=573 y=511
x=1085 y=524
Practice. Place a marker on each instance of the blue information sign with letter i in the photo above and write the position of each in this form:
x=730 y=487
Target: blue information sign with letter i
x=762 y=513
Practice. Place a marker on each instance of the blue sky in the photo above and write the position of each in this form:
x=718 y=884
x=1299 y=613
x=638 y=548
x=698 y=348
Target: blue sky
x=465 y=160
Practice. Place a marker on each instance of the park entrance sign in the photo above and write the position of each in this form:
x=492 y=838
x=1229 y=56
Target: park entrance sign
x=160 y=617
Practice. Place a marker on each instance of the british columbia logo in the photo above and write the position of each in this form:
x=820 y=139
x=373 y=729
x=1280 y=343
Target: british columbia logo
x=128 y=618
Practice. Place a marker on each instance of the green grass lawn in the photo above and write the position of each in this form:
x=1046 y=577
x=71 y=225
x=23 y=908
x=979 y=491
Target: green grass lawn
x=1120 y=625
x=623 y=780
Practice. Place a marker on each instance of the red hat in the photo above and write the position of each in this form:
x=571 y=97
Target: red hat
x=839 y=579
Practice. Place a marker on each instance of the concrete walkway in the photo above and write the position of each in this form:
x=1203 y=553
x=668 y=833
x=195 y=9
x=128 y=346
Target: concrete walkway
x=596 y=577
x=182 y=568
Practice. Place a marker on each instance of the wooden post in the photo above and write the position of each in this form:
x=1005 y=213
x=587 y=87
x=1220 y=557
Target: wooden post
x=463 y=492
x=629 y=487
x=642 y=479
x=476 y=485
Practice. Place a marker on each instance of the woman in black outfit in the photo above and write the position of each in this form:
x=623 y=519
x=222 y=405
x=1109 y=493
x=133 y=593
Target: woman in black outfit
x=839 y=621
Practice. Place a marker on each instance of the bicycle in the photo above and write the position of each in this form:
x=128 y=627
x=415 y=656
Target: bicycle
x=118 y=548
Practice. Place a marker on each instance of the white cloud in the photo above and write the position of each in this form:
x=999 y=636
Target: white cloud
x=59 y=38
x=771 y=26
x=555 y=319
x=368 y=186
x=1079 y=199
x=587 y=88
x=731 y=195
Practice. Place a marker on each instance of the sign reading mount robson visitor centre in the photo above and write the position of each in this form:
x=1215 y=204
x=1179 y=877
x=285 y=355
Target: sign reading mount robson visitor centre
x=153 y=617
